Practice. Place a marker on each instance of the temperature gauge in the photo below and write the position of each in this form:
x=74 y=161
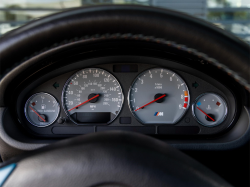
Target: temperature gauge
x=41 y=109
x=210 y=109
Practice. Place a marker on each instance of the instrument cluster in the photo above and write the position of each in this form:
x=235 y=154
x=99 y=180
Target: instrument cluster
x=135 y=97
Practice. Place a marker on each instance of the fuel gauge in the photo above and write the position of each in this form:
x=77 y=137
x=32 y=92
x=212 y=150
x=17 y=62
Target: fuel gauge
x=209 y=109
x=41 y=109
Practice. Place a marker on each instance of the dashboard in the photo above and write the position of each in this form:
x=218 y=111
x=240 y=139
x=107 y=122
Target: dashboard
x=148 y=95
x=101 y=71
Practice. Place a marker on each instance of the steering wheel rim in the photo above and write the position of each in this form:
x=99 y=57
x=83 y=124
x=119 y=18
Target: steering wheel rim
x=177 y=30
x=147 y=24
x=119 y=159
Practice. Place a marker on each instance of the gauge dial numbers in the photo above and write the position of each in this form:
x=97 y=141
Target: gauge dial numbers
x=158 y=96
x=209 y=109
x=92 y=95
x=41 y=109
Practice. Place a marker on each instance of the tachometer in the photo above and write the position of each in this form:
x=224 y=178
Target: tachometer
x=158 y=96
x=92 y=95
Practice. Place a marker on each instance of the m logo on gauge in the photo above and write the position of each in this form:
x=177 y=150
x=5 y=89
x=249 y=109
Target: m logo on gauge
x=158 y=89
x=159 y=114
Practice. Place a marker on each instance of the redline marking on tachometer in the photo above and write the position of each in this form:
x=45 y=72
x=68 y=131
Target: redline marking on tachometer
x=185 y=105
x=218 y=103
x=185 y=99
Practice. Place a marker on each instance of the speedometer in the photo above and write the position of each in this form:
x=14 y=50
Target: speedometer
x=158 y=96
x=92 y=95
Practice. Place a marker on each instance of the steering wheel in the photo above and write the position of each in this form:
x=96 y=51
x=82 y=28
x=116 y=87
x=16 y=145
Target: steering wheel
x=116 y=158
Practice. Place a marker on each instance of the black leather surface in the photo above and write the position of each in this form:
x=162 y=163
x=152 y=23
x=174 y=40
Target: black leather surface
x=117 y=158
x=38 y=37
x=180 y=28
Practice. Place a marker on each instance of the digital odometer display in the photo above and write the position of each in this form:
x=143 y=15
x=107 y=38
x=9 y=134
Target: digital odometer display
x=92 y=95
x=158 y=96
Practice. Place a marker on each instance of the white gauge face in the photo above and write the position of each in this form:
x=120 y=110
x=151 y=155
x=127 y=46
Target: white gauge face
x=159 y=96
x=92 y=95
x=210 y=109
x=41 y=109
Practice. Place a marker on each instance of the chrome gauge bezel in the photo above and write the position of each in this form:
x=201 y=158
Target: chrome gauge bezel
x=70 y=78
x=193 y=108
x=25 y=109
x=131 y=86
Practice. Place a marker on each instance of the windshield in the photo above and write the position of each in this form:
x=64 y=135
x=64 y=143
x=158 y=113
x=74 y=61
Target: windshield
x=231 y=15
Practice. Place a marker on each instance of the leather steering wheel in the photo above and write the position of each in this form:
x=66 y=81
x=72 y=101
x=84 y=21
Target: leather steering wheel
x=116 y=158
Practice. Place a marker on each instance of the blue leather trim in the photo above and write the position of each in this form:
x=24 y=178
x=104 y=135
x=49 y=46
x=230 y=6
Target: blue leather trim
x=5 y=173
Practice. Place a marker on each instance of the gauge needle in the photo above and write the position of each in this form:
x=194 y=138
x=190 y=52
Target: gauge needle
x=151 y=102
x=37 y=114
x=206 y=114
x=85 y=102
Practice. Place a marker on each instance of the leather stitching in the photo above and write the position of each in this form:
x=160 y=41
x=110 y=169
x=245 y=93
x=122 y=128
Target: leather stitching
x=141 y=37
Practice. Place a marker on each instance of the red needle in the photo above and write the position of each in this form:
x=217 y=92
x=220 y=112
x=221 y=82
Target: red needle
x=37 y=114
x=85 y=102
x=151 y=102
x=206 y=114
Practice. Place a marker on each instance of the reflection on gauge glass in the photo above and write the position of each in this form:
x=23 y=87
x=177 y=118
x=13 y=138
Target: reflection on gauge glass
x=209 y=109
x=92 y=95
x=158 y=96
x=41 y=109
